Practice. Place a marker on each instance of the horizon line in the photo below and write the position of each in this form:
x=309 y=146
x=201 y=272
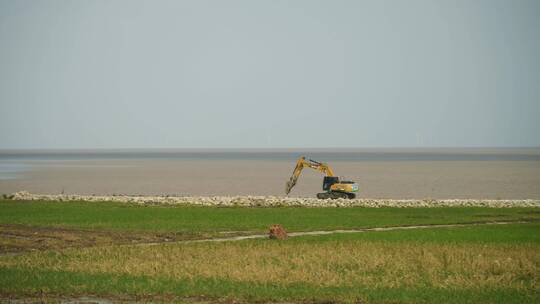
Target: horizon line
x=254 y=149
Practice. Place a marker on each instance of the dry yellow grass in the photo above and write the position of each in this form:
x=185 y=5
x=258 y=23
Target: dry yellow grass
x=359 y=263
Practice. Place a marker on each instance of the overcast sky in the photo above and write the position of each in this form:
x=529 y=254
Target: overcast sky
x=265 y=74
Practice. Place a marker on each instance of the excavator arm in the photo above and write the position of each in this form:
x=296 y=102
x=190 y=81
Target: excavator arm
x=300 y=165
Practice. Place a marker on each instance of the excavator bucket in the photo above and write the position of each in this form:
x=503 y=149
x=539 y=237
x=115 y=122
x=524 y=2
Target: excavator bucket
x=289 y=185
x=296 y=173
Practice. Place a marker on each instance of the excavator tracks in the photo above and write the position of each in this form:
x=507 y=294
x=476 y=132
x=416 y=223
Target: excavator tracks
x=335 y=195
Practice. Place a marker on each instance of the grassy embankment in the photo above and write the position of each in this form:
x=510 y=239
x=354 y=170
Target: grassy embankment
x=194 y=220
x=498 y=263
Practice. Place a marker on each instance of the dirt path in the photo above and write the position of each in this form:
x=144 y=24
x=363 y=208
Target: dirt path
x=17 y=239
x=326 y=232
x=22 y=238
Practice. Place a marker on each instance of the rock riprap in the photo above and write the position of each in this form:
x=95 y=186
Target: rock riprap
x=276 y=201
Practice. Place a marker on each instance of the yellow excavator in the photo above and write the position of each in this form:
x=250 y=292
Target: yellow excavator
x=331 y=184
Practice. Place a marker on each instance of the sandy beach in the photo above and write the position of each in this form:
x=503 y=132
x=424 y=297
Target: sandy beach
x=377 y=179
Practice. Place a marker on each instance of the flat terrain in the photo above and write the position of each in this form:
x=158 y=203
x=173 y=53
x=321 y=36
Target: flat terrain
x=58 y=249
x=377 y=179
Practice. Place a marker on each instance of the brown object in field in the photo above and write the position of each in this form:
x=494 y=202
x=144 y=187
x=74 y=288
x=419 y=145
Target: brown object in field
x=277 y=232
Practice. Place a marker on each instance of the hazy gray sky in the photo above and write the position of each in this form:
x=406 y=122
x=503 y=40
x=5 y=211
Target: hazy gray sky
x=181 y=74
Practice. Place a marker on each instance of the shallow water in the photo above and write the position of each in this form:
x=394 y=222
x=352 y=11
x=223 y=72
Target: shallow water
x=383 y=173
x=12 y=170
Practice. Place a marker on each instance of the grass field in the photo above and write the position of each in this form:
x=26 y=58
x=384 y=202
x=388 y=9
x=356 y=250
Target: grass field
x=470 y=264
x=120 y=216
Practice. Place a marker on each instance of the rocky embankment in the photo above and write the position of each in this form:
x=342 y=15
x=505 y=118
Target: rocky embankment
x=275 y=201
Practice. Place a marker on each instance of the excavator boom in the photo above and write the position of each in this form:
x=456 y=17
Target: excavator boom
x=300 y=165
x=331 y=183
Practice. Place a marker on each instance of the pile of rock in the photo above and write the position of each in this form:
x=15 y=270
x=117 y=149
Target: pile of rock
x=276 y=201
x=277 y=232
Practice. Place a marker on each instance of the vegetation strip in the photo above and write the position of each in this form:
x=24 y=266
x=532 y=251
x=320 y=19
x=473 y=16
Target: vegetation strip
x=121 y=288
x=207 y=221
x=326 y=232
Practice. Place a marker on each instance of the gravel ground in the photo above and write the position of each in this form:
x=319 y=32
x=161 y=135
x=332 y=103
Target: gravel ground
x=274 y=201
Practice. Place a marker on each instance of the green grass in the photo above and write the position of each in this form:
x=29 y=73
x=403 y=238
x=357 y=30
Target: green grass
x=34 y=283
x=528 y=233
x=473 y=264
x=49 y=273
x=117 y=216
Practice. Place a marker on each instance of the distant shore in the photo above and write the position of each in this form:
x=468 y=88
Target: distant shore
x=324 y=154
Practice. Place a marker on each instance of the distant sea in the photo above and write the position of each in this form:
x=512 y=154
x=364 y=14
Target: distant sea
x=327 y=155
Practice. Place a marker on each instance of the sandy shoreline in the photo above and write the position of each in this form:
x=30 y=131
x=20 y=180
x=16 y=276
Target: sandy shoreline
x=377 y=179
x=273 y=201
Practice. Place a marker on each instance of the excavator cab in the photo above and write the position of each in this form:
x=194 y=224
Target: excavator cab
x=328 y=181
